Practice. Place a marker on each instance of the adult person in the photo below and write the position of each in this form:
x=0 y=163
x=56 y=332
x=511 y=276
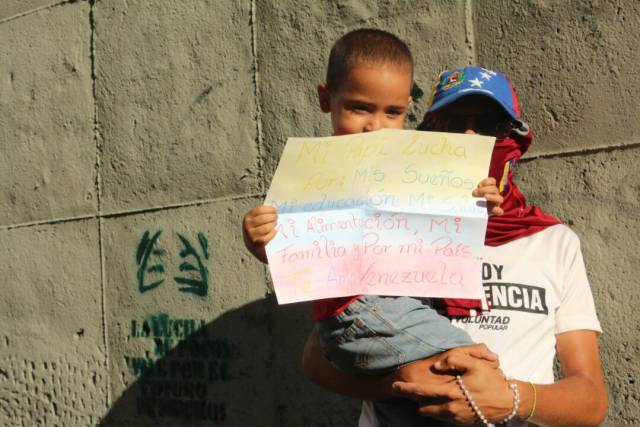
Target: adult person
x=536 y=286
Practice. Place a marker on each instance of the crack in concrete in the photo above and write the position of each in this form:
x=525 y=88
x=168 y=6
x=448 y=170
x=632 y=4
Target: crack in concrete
x=182 y=205
x=130 y=212
x=36 y=10
x=470 y=36
x=98 y=190
x=257 y=94
x=47 y=222
x=586 y=151
x=262 y=194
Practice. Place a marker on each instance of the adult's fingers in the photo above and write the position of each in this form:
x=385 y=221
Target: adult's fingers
x=485 y=191
x=480 y=351
x=456 y=362
x=495 y=210
x=494 y=198
x=494 y=201
x=427 y=392
x=487 y=181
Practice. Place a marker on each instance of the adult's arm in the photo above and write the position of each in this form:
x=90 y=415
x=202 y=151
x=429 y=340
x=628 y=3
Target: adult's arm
x=578 y=399
x=321 y=372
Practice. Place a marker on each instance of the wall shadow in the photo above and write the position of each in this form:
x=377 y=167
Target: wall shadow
x=242 y=369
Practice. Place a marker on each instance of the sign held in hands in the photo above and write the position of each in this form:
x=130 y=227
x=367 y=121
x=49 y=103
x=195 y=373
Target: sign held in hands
x=385 y=213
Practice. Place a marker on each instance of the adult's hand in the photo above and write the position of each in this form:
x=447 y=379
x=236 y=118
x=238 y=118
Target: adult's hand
x=444 y=400
x=488 y=188
x=320 y=371
x=579 y=399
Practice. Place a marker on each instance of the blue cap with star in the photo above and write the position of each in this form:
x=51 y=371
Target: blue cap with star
x=452 y=85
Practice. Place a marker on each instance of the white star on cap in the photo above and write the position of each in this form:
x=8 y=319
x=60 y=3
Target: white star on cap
x=475 y=82
x=493 y=73
x=485 y=75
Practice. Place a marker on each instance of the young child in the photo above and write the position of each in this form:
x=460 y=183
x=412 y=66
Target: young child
x=368 y=87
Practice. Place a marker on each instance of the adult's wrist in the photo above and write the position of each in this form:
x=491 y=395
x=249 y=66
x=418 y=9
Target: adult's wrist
x=499 y=406
x=526 y=399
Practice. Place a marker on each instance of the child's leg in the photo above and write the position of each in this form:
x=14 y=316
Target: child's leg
x=377 y=334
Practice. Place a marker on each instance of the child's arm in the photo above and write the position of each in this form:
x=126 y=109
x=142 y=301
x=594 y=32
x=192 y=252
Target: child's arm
x=258 y=229
x=488 y=189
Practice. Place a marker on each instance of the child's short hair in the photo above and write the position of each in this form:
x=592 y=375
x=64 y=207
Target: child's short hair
x=366 y=45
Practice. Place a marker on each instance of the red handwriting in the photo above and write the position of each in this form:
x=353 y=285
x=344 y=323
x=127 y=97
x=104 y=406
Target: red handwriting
x=289 y=228
x=411 y=247
x=444 y=246
x=377 y=221
x=322 y=248
x=438 y=275
x=445 y=225
x=371 y=245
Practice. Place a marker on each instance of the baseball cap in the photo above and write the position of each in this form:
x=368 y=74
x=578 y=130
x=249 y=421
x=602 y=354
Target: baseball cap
x=452 y=85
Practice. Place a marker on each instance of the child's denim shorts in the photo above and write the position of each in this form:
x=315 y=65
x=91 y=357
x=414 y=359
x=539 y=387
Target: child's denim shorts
x=377 y=334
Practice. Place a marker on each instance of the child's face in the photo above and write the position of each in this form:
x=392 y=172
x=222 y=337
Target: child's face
x=372 y=97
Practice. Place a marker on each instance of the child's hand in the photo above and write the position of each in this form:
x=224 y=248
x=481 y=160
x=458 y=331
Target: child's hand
x=489 y=190
x=258 y=229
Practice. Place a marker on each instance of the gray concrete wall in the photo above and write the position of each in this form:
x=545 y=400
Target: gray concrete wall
x=135 y=134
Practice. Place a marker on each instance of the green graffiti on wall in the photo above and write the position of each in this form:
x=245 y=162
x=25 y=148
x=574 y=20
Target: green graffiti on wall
x=183 y=371
x=150 y=259
x=200 y=285
x=147 y=248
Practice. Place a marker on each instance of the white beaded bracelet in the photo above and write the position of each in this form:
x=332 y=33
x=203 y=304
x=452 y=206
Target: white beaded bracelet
x=516 y=402
x=472 y=402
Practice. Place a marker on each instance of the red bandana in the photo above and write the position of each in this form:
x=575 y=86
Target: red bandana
x=519 y=219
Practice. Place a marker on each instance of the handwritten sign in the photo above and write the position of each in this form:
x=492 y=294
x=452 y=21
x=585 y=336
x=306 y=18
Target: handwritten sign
x=383 y=213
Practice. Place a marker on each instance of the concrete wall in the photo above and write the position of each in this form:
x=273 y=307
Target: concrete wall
x=135 y=134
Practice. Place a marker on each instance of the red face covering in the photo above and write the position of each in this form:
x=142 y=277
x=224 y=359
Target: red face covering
x=519 y=219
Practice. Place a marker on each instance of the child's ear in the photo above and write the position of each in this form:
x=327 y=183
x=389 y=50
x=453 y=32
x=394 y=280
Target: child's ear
x=324 y=97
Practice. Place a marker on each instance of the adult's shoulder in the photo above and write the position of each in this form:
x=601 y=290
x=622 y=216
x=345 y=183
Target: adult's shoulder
x=561 y=234
x=557 y=243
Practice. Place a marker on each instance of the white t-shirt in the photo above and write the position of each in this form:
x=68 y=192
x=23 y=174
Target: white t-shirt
x=537 y=287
